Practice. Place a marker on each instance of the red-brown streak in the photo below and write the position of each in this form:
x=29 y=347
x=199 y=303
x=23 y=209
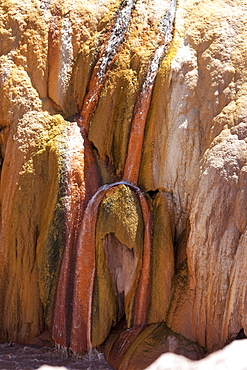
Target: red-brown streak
x=84 y=280
x=85 y=272
x=95 y=87
x=134 y=152
x=82 y=248
x=63 y=310
x=121 y=345
x=142 y=296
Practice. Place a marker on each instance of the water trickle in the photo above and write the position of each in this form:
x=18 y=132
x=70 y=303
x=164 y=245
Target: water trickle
x=141 y=109
x=167 y=22
x=45 y=6
x=66 y=56
x=116 y=39
x=75 y=199
x=107 y=56
x=63 y=350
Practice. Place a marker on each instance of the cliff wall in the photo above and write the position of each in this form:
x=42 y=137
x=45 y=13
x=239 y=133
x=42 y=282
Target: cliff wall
x=193 y=159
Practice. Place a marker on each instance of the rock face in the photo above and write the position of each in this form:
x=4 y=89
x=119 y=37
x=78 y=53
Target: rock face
x=231 y=357
x=168 y=241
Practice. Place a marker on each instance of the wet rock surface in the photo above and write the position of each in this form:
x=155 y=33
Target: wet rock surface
x=21 y=357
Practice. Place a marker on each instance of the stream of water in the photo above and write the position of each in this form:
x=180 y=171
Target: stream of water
x=106 y=58
x=30 y=357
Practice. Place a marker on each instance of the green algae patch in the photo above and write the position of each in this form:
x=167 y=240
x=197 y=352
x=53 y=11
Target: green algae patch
x=52 y=224
x=162 y=260
x=156 y=340
x=33 y=224
x=110 y=124
x=145 y=344
x=119 y=241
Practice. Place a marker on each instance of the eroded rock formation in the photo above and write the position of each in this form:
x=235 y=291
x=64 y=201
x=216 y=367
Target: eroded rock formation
x=120 y=196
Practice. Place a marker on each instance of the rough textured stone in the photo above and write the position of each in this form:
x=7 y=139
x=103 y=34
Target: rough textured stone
x=231 y=357
x=119 y=238
x=31 y=192
x=194 y=155
x=139 y=347
x=206 y=171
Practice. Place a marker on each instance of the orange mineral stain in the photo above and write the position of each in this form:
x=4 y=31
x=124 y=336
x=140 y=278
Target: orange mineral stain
x=85 y=271
x=72 y=324
x=82 y=182
x=84 y=279
x=142 y=296
x=75 y=199
x=108 y=54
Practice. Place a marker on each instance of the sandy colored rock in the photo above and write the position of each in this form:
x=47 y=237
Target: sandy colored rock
x=194 y=155
x=162 y=268
x=30 y=212
x=210 y=180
